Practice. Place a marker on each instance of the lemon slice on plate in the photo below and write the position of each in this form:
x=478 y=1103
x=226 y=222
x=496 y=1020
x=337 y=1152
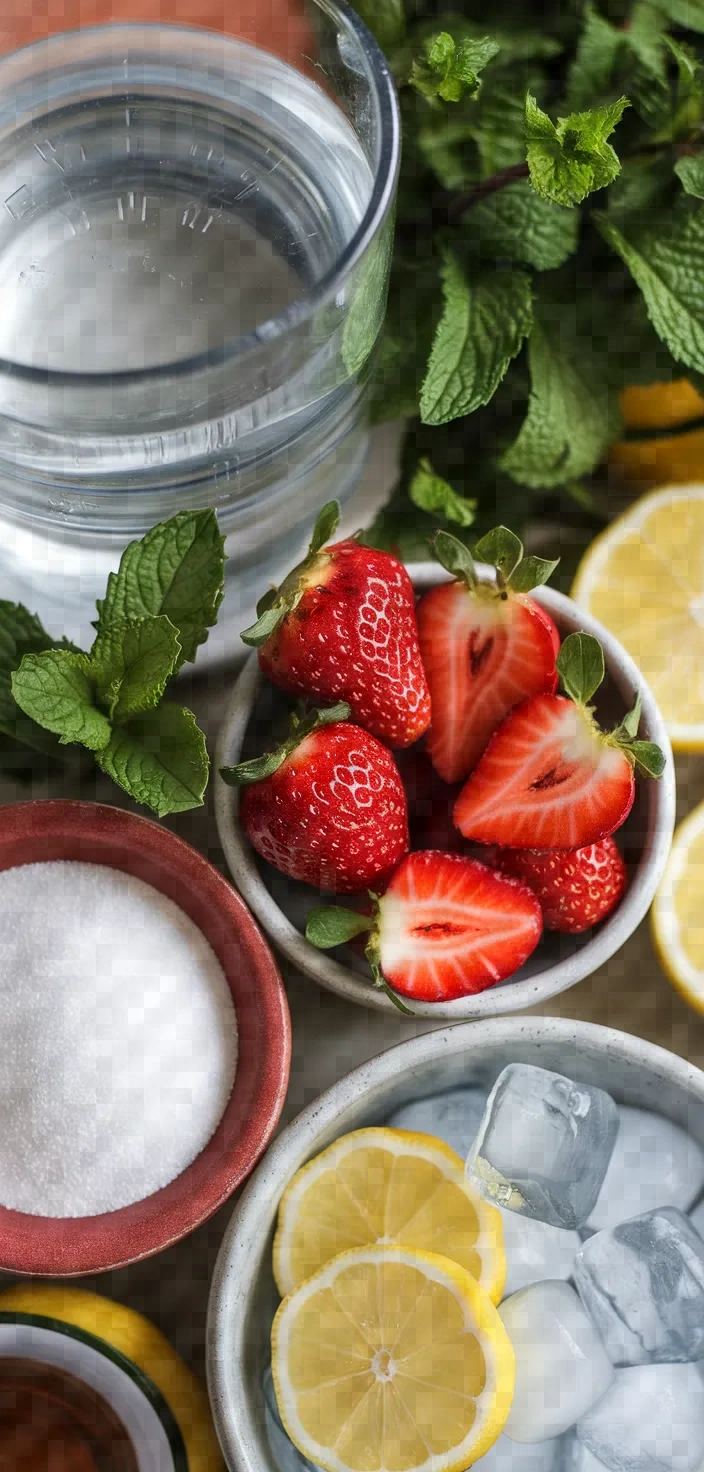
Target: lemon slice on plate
x=390 y=1360
x=381 y=1185
x=677 y=916
x=643 y=577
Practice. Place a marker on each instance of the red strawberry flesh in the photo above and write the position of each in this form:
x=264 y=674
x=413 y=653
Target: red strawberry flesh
x=353 y=636
x=449 y=927
x=576 y=888
x=483 y=654
x=548 y=779
x=333 y=815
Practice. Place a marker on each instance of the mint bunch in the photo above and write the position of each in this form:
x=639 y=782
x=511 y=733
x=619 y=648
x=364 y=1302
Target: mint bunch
x=158 y=608
x=549 y=250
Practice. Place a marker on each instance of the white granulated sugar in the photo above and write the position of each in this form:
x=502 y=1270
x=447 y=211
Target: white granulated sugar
x=118 y=1039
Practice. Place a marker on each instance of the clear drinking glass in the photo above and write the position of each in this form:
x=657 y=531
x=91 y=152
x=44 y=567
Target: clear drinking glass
x=194 y=249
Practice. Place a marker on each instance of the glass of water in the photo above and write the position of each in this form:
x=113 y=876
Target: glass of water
x=194 y=249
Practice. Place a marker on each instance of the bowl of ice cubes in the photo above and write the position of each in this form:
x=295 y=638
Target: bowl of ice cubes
x=590 y=1144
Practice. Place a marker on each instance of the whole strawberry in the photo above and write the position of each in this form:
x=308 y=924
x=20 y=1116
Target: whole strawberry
x=485 y=646
x=445 y=927
x=327 y=807
x=550 y=778
x=342 y=626
x=576 y=888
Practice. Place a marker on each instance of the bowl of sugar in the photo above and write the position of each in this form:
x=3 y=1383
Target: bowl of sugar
x=584 y=1397
x=145 y=1046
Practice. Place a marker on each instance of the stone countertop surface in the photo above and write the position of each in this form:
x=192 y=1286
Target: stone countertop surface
x=330 y=1036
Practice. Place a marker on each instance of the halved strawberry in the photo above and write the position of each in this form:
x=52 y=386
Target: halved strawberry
x=327 y=807
x=577 y=888
x=485 y=646
x=550 y=778
x=445 y=927
x=342 y=626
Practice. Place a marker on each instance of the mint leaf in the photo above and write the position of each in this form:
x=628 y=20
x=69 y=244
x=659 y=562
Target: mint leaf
x=177 y=569
x=430 y=492
x=328 y=926
x=686 y=13
x=665 y=257
x=570 y=159
x=690 y=172
x=21 y=633
x=571 y=417
x=132 y=662
x=580 y=665
x=160 y=759
x=385 y=19
x=54 y=690
x=500 y=129
x=599 y=48
x=451 y=71
x=521 y=225
x=481 y=329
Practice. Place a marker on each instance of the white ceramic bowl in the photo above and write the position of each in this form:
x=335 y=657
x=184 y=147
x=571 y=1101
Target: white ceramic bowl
x=243 y=1296
x=559 y=961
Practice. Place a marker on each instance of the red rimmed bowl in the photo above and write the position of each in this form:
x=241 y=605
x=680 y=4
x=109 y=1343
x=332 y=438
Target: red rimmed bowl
x=35 y=832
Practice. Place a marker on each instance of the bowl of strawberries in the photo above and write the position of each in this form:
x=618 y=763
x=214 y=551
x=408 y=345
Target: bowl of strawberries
x=443 y=789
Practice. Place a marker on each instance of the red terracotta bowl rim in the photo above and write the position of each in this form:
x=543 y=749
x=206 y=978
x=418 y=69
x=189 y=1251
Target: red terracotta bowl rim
x=36 y=831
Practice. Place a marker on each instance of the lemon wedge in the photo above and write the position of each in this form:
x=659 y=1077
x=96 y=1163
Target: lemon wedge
x=677 y=915
x=390 y=1360
x=379 y=1186
x=643 y=577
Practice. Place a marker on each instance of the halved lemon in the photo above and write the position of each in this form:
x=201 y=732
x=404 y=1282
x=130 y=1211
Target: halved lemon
x=389 y=1360
x=643 y=577
x=677 y=915
x=382 y=1185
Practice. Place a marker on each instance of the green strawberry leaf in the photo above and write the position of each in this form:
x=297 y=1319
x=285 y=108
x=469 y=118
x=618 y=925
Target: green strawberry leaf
x=328 y=926
x=54 y=689
x=176 y=570
x=628 y=729
x=261 y=767
x=132 y=662
x=481 y=329
x=277 y=602
x=650 y=760
x=431 y=493
x=326 y=524
x=580 y=665
x=531 y=572
x=502 y=549
x=160 y=759
x=454 y=557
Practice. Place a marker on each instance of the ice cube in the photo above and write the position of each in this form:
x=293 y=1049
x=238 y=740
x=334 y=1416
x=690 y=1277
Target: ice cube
x=651 y=1420
x=697 y=1218
x=562 y=1368
x=516 y=1456
x=453 y=1117
x=576 y=1457
x=643 y=1284
x=543 y=1145
x=535 y=1251
x=285 y=1456
x=654 y=1163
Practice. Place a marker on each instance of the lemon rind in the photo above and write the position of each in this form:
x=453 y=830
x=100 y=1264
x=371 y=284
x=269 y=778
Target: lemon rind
x=665 y=929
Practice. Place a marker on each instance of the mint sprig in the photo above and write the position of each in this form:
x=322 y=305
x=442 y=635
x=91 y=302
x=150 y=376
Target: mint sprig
x=158 y=609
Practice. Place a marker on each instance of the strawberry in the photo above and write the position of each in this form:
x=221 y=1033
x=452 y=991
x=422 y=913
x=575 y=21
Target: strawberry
x=327 y=807
x=550 y=778
x=430 y=803
x=485 y=646
x=342 y=626
x=445 y=927
x=576 y=888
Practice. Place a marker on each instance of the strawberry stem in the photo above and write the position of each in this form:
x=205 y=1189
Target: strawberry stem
x=276 y=603
x=261 y=767
x=503 y=551
x=331 y=925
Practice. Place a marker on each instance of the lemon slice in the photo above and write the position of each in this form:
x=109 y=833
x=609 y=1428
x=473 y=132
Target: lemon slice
x=390 y=1360
x=380 y=1185
x=677 y=915
x=643 y=577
